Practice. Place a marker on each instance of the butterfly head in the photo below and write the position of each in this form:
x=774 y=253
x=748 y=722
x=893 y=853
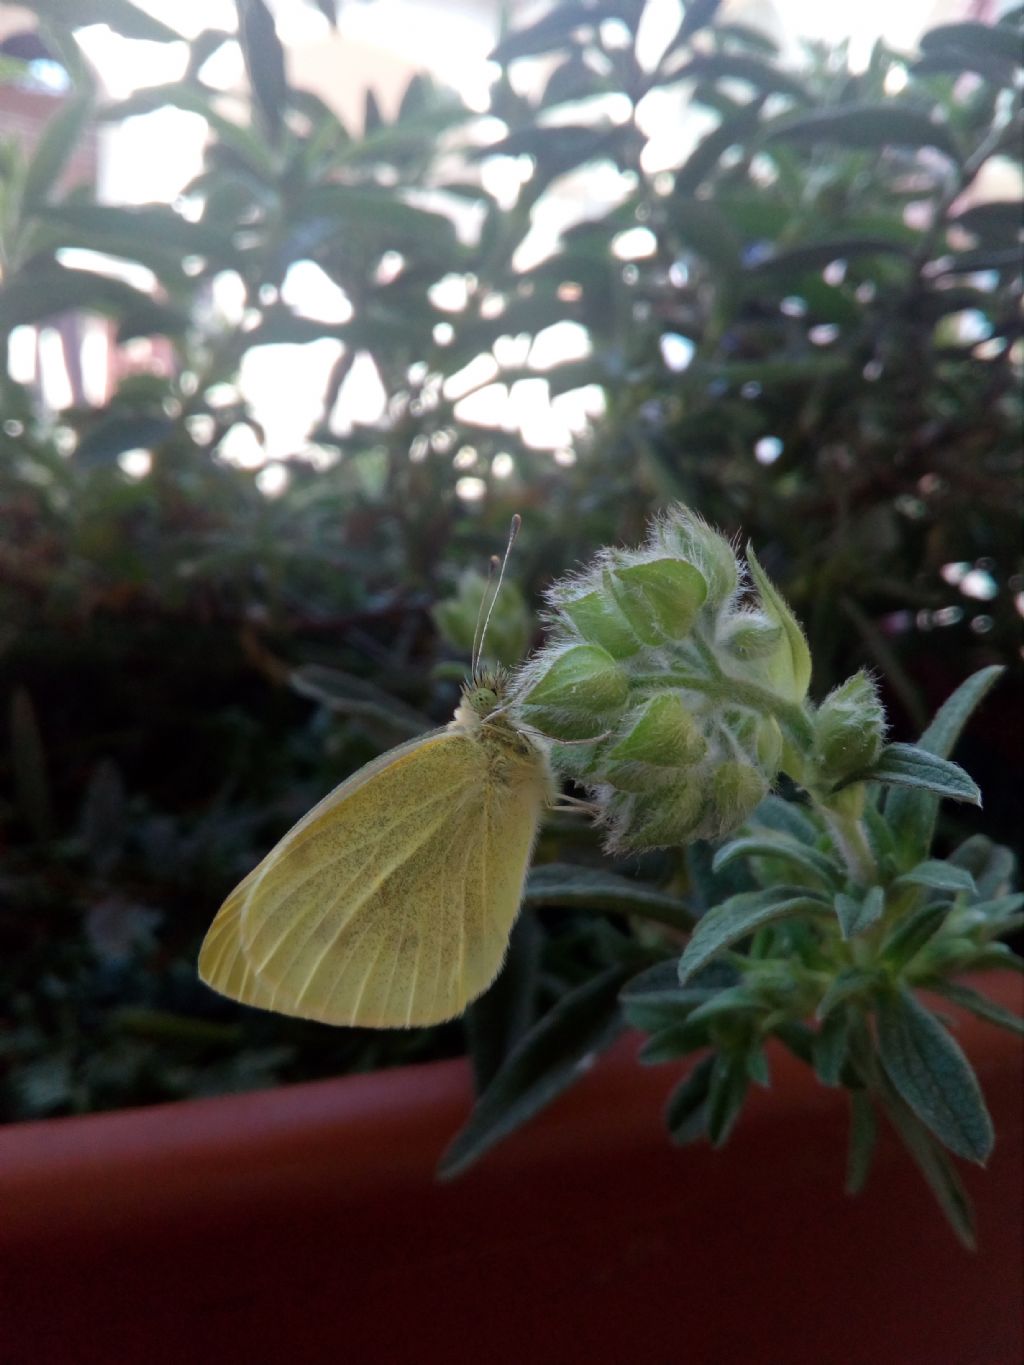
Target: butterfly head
x=485 y=692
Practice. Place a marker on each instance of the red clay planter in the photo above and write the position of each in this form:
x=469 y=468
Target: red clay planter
x=305 y=1225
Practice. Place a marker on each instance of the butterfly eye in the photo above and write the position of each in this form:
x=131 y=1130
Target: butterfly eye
x=483 y=700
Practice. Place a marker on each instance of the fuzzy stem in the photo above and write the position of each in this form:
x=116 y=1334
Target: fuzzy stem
x=852 y=842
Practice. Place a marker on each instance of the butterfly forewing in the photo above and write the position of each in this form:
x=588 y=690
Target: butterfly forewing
x=392 y=902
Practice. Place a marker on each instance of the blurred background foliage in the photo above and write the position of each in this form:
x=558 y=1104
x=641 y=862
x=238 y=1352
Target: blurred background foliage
x=807 y=327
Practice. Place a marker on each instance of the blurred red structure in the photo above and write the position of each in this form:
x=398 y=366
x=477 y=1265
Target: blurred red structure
x=304 y=1225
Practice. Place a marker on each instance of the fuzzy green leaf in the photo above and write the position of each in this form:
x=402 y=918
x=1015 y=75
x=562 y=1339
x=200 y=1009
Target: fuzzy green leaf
x=857 y=915
x=936 y=1167
x=778 y=846
x=978 y=1004
x=846 y=985
x=686 y=1111
x=740 y=916
x=727 y=1093
x=939 y=876
x=793 y=671
x=546 y=1061
x=933 y=1076
x=911 y=934
x=565 y=884
x=830 y=1048
x=869 y=126
x=863 y=1136
x=907 y=765
x=911 y=813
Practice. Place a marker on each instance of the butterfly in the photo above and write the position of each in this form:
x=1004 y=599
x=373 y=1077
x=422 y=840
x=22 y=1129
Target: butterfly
x=390 y=904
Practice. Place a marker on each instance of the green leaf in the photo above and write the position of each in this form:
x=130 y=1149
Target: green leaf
x=867 y=126
x=857 y=915
x=782 y=848
x=789 y=817
x=816 y=255
x=33 y=295
x=863 y=1136
x=551 y=33
x=932 y=1075
x=502 y=1016
x=120 y=15
x=978 y=1004
x=912 y=814
x=793 y=673
x=985 y=40
x=654 y=1000
x=995 y=913
x=351 y=696
x=564 y=884
x=740 y=916
x=138 y=232
x=912 y=933
x=939 y=876
x=739 y=66
x=686 y=1111
x=555 y=1052
x=705 y=230
x=907 y=765
x=264 y=62
x=673 y=1042
x=936 y=1167
x=830 y=1048
x=727 y=1093
x=848 y=984
x=116 y=432
x=991 y=865
x=54 y=150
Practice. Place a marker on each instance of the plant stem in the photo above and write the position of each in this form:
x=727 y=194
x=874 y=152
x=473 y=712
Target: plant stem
x=852 y=842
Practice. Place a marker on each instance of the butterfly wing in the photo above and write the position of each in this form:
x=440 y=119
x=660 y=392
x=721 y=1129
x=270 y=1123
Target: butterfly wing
x=391 y=903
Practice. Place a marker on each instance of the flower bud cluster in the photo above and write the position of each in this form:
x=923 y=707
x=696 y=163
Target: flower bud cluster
x=664 y=677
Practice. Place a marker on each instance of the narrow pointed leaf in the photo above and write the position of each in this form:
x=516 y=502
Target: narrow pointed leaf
x=778 y=846
x=863 y=1136
x=555 y=1052
x=686 y=1111
x=932 y=1075
x=939 y=876
x=979 y=1004
x=907 y=765
x=589 y=888
x=911 y=813
x=936 y=1167
x=857 y=915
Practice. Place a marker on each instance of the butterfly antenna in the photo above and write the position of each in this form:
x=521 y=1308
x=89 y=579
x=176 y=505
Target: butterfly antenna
x=474 y=658
x=513 y=531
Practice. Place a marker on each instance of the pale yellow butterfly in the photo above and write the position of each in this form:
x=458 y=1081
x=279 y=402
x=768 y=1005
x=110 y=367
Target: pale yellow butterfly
x=391 y=903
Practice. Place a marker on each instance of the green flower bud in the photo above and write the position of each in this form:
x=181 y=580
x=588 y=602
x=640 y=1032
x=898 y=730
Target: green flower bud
x=736 y=788
x=682 y=533
x=660 y=598
x=671 y=815
x=660 y=740
x=577 y=694
x=597 y=618
x=750 y=635
x=849 y=728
